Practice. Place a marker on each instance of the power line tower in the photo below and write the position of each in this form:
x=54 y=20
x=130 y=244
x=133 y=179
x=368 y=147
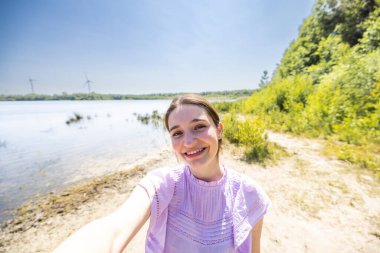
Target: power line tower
x=31 y=84
x=88 y=83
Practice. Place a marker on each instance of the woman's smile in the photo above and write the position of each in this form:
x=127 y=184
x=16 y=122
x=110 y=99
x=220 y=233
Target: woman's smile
x=194 y=153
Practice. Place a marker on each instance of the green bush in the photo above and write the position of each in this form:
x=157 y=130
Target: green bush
x=282 y=103
x=225 y=106
x=249 y=133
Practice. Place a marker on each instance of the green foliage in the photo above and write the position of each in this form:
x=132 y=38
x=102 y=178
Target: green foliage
x=344 y=17
x=345 y=103
x=328 y=82
x=281 y=104
x=371 y=37
x=249 y=133
x=366 y=157
x=329 y=53
x=228 y=106
x=300 y=53
x=351 y=21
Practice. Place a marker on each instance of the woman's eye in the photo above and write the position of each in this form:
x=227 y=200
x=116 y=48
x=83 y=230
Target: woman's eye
x=199 y=127
x=177 y=133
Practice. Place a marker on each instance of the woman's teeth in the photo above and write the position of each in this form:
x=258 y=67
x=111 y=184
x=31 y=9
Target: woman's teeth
x=194 y=151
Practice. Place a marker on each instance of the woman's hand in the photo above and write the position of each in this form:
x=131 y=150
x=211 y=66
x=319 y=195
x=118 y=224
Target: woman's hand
x=113 y=232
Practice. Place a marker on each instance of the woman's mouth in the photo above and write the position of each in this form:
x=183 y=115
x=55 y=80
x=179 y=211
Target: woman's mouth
x=194 y=153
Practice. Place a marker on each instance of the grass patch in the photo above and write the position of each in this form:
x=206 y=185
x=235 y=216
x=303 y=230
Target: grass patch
x=301 y=168
x=339 y=185
x=155 y=119
x=366 y=156
x=275 y=153
x=306 y=204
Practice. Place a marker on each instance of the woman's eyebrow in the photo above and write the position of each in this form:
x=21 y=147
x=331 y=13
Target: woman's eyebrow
x=197 y=120
x=174 y=127
x=194 y=120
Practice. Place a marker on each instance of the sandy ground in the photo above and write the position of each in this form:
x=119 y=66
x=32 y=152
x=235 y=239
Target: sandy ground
x=319 y=204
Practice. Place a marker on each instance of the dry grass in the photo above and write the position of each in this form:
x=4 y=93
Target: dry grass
x=363 y=156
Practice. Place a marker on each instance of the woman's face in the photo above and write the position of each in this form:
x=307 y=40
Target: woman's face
x=194 y=136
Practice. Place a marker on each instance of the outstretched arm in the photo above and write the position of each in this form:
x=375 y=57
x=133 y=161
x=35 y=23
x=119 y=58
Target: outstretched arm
x=113 y=232
x=256 y=236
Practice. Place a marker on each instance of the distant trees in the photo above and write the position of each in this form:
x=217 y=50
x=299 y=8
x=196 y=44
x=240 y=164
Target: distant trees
x=230 y=94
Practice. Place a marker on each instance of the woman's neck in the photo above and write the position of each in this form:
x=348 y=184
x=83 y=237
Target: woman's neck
x=208 y=172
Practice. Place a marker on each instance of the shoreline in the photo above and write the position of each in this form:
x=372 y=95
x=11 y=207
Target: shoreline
x=39 y=209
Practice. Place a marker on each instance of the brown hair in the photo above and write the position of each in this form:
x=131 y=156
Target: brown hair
x=193 y=99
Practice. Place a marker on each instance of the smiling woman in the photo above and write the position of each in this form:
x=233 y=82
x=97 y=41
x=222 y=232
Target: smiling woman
x=195 y=137
x=201 y=206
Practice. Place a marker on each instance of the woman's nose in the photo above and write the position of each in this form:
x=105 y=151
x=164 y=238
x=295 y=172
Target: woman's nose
x=189 y=139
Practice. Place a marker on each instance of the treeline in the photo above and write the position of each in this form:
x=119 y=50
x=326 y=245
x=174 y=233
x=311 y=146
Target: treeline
x=216 y=95
x=328 y=81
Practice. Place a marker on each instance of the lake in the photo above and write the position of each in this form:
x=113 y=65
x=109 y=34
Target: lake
x=40 y=152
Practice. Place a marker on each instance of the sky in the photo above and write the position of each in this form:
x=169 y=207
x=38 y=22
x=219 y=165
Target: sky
x=143 y=46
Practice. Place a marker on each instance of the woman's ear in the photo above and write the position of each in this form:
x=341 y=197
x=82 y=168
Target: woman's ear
x=220 y=131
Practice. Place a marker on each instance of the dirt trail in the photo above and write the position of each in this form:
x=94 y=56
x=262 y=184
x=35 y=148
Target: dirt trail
x=318 y=204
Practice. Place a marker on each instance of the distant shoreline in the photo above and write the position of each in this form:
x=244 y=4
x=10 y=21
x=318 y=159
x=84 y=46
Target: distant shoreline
x=214 y=95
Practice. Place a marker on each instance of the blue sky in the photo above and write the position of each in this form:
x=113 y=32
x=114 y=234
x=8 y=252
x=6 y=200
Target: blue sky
x=142 y=46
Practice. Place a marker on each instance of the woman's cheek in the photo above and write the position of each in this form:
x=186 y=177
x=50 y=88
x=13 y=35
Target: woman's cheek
x=175 y=144
x=210 y=134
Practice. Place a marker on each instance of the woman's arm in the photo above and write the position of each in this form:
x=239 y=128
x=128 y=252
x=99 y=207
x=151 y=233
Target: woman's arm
x=256 y=236
x=113 y=232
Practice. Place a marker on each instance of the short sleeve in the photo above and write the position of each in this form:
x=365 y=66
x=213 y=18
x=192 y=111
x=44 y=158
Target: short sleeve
x=159 y=185
x=250 y=206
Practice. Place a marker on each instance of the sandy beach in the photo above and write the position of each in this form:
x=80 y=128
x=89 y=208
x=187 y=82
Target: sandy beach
x=319 y=204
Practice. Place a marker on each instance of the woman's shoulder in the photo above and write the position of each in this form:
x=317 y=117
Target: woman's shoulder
x=244 y=185
x=167 y=172
x=240 y=179
x=159 y=183
x=163 y=177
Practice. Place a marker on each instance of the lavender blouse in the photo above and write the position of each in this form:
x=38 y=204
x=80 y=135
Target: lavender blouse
x=189 y=215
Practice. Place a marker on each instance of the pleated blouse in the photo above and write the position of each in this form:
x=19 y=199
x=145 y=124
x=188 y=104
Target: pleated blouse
x=189 y=215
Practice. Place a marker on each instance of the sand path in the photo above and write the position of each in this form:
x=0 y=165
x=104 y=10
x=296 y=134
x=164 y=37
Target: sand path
x=318 y=204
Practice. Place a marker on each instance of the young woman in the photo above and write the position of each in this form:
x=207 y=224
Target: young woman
x=201 y=206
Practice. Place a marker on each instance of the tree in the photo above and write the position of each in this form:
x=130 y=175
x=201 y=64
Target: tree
x=264 y=79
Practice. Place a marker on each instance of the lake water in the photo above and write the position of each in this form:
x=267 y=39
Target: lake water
x=40 y=153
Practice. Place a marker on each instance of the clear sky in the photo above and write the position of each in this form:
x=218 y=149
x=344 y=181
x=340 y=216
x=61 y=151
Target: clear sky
x=143 y=46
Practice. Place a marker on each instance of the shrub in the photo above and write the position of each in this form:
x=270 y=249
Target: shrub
x=249 y=133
